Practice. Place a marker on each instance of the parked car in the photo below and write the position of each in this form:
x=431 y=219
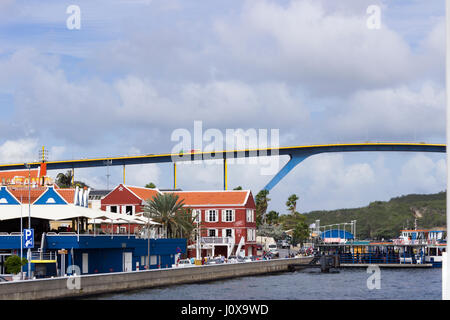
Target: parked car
x=214 y=261
x=285 y=244
x=273 y=250
x=248 y=259
x=3 y=279
x=183 y=263
x=232 y=259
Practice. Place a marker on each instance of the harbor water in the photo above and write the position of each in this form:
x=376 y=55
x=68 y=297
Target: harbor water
x=347 y=284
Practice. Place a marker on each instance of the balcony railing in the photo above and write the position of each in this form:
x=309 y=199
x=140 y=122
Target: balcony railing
x=216 y=240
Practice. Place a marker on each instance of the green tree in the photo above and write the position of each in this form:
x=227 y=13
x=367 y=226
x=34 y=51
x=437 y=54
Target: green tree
x=150 y=185
x=169 y=210
x=300 y=233
x=290 y=221
x=267 y=230
x=261 y=202
x=14 y=263
x=272 y=217
x=238 y=188
x=64 y=180
x=292 y=203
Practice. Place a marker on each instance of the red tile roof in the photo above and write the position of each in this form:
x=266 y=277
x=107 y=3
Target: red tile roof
x=67 y=194
x=211 y=198
x=143 y=193
x=22 y=193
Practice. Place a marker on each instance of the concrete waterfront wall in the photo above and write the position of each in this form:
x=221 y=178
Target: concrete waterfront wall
x=123 y=281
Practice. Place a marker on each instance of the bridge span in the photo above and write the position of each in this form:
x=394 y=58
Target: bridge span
x=296 y=153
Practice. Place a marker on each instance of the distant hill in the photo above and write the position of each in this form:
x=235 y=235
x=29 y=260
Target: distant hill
x=384 y=219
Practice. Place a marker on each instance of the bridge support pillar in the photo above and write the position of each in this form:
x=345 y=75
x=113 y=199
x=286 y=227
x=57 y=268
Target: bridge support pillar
x=174 y=175
x=225 y=174
x=292 y=163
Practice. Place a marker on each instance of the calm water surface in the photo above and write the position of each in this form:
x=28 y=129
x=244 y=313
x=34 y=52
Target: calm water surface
x=348 y=284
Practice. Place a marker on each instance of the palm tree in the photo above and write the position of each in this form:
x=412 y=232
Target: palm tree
x=262 y=202
x=168 y=210
x=292 y=203
x=272 y=217
x=150 y=185
x=64 y=180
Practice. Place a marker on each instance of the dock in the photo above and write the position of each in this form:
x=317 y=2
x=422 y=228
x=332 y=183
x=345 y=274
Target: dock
x=387 y=265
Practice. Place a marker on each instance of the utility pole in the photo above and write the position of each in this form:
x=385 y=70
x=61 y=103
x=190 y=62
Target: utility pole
x=27 y=165
x=21 y=236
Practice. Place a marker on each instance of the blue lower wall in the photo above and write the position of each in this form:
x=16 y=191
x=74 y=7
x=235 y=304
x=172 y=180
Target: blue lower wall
x=106 y=253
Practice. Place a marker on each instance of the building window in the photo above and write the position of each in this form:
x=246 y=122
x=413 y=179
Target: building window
x=129 y=210
x=250 y=215
x=212 y=216
x=113 y=209
x=251 y=234
x=211 y=232
x=227 y=215
x=228 y=233
x=197 y=215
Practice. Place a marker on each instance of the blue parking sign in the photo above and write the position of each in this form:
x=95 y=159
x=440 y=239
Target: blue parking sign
x=28 y=239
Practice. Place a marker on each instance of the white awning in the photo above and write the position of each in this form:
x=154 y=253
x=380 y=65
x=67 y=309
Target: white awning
x=56 y=212
x=145 y=220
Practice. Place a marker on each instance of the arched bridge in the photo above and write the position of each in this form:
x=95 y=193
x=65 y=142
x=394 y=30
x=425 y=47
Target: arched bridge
x=296 y=153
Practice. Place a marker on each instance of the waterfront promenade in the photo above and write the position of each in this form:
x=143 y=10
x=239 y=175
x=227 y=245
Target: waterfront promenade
x=85 y=285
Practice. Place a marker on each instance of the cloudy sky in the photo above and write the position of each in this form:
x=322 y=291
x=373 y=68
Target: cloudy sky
x=138 y=70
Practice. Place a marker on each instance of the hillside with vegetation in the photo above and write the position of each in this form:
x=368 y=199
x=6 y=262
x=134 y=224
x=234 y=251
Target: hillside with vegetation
x=384 y=219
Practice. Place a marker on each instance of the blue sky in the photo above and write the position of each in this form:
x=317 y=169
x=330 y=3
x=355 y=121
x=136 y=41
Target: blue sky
x=138 y=70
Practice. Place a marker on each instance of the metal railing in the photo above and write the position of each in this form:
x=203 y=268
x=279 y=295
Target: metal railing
x=216 y=240
x=36 y=255
x=369 y=258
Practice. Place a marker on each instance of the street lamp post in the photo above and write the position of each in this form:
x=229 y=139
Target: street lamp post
x=27 y=165
x=21 y=236
x=148 y=243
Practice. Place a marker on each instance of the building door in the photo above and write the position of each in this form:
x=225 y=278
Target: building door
x=127 y=261
x=85 y=263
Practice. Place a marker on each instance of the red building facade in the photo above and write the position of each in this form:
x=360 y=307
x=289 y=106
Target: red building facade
x=127 y=200
x=225 y=219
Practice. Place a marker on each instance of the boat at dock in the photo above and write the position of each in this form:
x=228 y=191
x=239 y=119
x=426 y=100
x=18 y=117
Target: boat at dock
x=413 y=248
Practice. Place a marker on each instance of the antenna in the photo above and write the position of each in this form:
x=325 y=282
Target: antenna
x=43 y=154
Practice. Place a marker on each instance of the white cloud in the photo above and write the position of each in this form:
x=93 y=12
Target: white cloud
x=397 y=113
x=323 y=50
x=140 y=175
x=421 y=174
x=217 y=103
x=18 y=151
